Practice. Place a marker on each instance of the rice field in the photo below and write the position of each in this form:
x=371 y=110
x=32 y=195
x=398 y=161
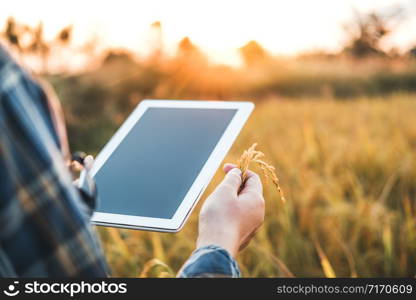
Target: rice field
x=348 y=172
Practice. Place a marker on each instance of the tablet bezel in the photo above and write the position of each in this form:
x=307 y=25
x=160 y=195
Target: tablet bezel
x=174 y=224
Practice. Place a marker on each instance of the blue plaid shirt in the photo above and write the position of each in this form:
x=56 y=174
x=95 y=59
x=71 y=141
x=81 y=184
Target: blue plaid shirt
x=44 y=223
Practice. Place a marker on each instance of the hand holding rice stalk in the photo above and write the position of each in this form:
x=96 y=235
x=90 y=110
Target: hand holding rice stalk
x=254 y=156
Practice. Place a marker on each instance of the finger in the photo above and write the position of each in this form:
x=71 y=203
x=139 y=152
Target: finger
x=232 y=179
x=228 y=167
x=252 y=184
x=76 y=166
x=88 y=162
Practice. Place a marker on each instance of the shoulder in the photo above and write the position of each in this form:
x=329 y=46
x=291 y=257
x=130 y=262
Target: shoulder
x=9 y=71
x=6 y=58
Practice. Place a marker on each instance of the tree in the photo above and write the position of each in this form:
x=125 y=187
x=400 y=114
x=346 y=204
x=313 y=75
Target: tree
x=412 y=52
x=64 y=36
x=31 y=41
x=253 y=54
x=366 y=31
x=39 y=46
x=156 y=41
x=12 y=33
x=189 y=52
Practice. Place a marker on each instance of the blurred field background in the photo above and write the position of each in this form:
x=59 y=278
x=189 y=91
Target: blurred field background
x=339 y=126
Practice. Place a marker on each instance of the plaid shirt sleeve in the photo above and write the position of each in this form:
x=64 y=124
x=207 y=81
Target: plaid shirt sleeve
x=44 y=226
x=210 y=261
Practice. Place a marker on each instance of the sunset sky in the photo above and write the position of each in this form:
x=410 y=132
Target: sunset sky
x=219 y=27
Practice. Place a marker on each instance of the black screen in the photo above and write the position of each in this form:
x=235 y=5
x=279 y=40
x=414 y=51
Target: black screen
x=154 y=166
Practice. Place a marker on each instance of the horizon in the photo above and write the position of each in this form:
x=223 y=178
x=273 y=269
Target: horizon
x=129 y=27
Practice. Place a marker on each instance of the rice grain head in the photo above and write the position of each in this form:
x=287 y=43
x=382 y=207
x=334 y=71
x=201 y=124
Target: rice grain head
x=251 y=155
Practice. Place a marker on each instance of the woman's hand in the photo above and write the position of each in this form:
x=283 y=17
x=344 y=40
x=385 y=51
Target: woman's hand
x=230 y=218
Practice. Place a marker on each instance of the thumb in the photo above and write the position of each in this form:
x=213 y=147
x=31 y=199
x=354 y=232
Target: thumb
x=88 y=162
x=232 y=179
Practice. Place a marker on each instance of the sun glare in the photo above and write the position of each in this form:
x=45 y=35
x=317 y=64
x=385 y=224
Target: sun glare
x=218 y=27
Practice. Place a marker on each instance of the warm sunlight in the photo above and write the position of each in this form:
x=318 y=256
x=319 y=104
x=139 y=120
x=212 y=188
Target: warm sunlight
x=218 y=27
x=316 y=96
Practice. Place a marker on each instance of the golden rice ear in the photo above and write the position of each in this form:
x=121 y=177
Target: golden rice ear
x=251 y=155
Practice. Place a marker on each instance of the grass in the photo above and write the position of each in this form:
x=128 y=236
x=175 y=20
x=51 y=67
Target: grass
x=348 y=170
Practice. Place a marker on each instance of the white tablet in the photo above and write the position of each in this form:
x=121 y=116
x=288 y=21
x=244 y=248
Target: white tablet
x=157 y=165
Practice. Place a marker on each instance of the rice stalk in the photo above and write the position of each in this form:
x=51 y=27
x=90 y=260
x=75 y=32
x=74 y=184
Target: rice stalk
x=347 y=252
x=279 y=263
x=118 y=240
x=251 y=155
x=158 y=251
x=150 y=269
x=326 y=265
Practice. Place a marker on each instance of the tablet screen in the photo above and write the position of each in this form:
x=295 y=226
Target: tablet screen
x=154 y=166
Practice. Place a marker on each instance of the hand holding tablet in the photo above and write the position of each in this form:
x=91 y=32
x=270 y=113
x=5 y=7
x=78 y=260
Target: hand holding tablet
x=152 y=172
